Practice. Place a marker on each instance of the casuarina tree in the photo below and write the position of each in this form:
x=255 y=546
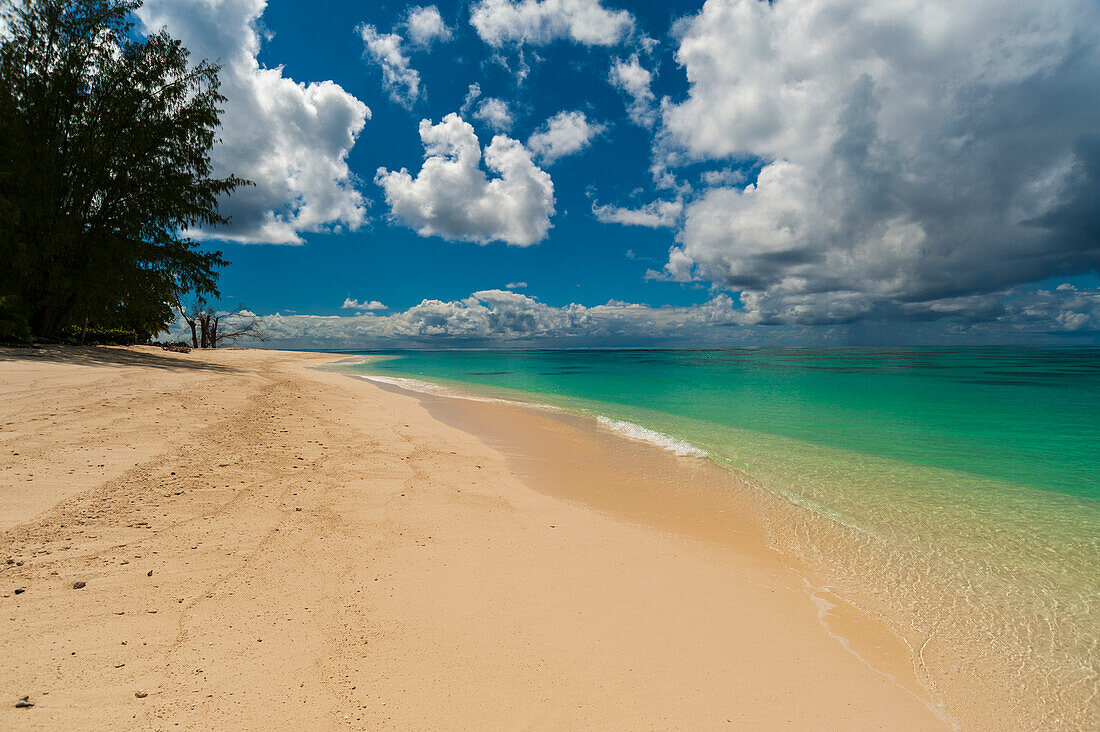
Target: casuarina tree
x=104 y=168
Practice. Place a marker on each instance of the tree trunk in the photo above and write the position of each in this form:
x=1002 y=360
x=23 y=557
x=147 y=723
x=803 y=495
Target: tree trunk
x=194 y=333
x=42 y=323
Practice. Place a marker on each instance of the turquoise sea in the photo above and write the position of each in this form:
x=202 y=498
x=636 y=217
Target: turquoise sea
x=954 y=493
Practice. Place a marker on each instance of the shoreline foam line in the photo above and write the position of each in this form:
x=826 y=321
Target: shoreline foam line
x=433 y=389
x=625 y=429
x=629 y=430
x=660 y=439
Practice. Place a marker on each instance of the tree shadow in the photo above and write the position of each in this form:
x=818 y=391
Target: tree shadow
x=110 y=356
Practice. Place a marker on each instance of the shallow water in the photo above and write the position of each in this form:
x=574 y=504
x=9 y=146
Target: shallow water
x=955 y=494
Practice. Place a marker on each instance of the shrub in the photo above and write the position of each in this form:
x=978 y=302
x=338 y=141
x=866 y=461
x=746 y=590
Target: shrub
x=102 y=336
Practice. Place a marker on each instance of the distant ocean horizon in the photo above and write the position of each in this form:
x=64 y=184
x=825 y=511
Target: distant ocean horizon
x=953 y=490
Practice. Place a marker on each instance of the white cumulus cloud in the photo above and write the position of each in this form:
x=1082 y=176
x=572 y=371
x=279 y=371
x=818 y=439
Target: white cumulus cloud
x=291 y=138
x=653 y=215
x=635 y=81
x=563 y=134
x=353 y=304
x=425 y=26
x=398 y=76
x=492 y=111
x=911 y=152
x=539 y=22
x=495 y=113
x=453 y=198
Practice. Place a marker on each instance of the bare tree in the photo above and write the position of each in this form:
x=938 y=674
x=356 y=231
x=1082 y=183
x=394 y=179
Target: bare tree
x=191 y=316
x=238 y=324
x=210 y=327
x=204 y=328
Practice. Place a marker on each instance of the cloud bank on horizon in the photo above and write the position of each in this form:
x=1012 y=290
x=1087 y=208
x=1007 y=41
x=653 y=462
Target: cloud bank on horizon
x=813 y=163
x=506 y=317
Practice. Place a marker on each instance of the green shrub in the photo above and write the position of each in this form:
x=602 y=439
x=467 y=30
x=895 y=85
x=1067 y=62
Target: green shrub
x=102 y=336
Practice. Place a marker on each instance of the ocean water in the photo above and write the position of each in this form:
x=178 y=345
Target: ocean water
x=953 y=493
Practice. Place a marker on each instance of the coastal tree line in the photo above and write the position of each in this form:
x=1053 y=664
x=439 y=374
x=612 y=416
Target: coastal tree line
x=104 y=168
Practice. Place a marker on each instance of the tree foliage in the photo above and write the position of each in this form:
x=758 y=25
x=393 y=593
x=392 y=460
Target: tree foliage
x=104 y=167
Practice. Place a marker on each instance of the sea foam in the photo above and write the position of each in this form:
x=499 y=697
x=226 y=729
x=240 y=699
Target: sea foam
x=423 y=387
x=660 y=439
x=626 y=429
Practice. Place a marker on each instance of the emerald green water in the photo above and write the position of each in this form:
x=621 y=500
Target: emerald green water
x=955 y=493
x=1030 y=417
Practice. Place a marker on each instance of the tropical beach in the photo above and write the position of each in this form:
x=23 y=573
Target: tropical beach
x=550 y=364
x=295 y=547
x=260 y=539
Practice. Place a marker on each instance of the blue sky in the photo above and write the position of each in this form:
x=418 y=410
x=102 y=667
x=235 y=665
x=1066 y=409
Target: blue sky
x=582 y=261
x=816 y=181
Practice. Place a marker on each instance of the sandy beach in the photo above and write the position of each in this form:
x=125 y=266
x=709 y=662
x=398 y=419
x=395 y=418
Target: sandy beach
x=261 y=544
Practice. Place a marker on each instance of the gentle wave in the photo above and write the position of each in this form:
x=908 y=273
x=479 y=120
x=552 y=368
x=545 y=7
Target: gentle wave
x=423 y=387
x=626 y=429
x=660 y=439
x=426 y=387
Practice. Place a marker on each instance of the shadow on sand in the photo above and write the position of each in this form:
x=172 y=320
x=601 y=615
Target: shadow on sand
x=110 y=356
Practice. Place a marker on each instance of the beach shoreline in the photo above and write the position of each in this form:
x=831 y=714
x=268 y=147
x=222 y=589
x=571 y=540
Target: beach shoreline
x=985 y=582
x=656 y=481
x=278 y=544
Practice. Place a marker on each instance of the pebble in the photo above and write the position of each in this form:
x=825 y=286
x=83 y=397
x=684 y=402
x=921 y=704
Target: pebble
x=78 y=585
x=20 y=591
x=24 y=703
x=141 y=694
x=150 y=573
